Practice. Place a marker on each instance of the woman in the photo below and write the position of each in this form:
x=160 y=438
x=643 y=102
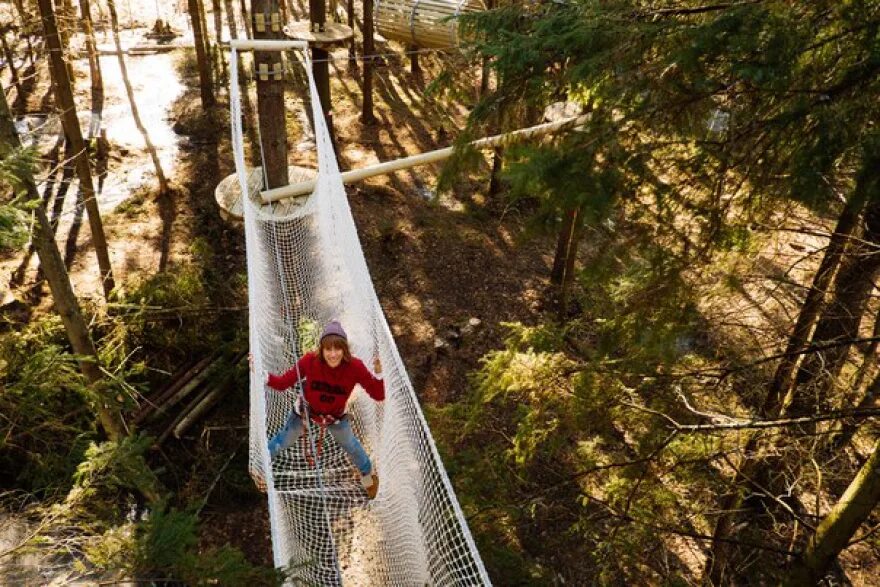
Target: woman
x=329 y=376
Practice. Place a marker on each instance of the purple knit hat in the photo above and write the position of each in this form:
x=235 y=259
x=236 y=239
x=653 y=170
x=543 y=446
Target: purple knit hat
x=334 y=327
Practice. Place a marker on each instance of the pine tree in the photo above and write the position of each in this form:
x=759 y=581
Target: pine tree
x=62 y=291
x=717 y=113
x=73 y=132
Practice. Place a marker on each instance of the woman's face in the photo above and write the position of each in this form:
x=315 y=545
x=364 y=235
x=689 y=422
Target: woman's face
x=332 y=355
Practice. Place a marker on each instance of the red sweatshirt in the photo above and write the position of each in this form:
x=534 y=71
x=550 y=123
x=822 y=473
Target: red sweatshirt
x=326 y=388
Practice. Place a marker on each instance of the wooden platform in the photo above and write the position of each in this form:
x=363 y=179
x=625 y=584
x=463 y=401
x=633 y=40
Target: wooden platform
x=228 y=193
x=334 y=33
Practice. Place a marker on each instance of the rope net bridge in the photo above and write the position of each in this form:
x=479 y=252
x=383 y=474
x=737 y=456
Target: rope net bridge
x=305 y=266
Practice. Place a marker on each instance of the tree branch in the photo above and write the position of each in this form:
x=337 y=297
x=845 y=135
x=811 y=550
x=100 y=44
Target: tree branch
x=723 y=422
x=696 y=9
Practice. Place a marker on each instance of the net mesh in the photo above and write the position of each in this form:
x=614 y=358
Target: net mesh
x=305 y=268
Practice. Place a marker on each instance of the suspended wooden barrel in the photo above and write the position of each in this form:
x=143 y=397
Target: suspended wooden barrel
x=228 y=192
x=424 y=23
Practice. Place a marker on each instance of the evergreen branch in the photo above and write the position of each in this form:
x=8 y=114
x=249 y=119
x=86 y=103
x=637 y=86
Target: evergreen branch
x=697 y=9
x=722 y=373
x=813 y=348
x=697 y=535
x=840 y=35
x=723 y=422
x=864 y=536
x=675 y=531
x=762 y=489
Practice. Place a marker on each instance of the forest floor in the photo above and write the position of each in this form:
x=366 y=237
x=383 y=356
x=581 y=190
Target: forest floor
x=437 y=261
x=440 y=262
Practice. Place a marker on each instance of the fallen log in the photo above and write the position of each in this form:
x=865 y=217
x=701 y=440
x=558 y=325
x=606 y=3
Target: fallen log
x=169 y=429
x=177 y=381
x=201 y=404
x=188 y=388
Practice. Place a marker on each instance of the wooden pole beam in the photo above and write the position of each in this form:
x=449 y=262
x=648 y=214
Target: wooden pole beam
x=306 y=187
x=270 y=94
x=267 y=45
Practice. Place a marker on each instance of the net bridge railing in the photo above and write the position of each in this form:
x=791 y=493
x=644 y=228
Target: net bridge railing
x=305 y=267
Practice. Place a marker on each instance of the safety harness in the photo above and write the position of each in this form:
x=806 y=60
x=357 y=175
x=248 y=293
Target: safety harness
x=322 y=420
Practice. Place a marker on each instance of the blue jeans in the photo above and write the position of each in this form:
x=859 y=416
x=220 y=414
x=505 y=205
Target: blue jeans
x=341 y=432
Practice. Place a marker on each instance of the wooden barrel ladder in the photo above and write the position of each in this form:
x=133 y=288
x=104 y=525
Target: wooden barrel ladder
x=429 y=24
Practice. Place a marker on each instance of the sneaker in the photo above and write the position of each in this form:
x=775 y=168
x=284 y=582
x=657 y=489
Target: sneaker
x=370 y=482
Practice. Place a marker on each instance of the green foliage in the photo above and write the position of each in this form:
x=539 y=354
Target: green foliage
x=705 y=121
x=165 y=545
x=113 y=467
x=641 y=307
x=46 y=423
x=181 y=287
x=309 y=332
x=488 y=491
x=574 y=171
x=547 y=436
x=16 y=165
x=754 y=101
x=14 y=228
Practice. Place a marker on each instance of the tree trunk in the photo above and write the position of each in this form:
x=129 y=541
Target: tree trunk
x=367 y=116
x=560 y=258
x=781 y=391
x=495 y=172
x=66 y=26
x=485 y=71
x=840 y=321
x=70 y=122
x=94 y=64
x=848 y=429
x=321 y=64
x=62 y=292
x=230 y=20
x=10 y=61
x=248 y=25
x=352 y=45
x=24 y=18
x=415 y=68
x=838 y=527
x=120 y=56
x=242 y=79
x=218 y=34
x=562 y=273
x=206 y=39
x=206 y=81
x=270 y=99
x=570 y=258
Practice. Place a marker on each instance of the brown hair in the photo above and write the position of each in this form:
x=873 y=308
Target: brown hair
x=333 y=341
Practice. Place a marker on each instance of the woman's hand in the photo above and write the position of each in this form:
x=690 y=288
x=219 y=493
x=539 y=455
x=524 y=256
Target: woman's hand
x=377 y=365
